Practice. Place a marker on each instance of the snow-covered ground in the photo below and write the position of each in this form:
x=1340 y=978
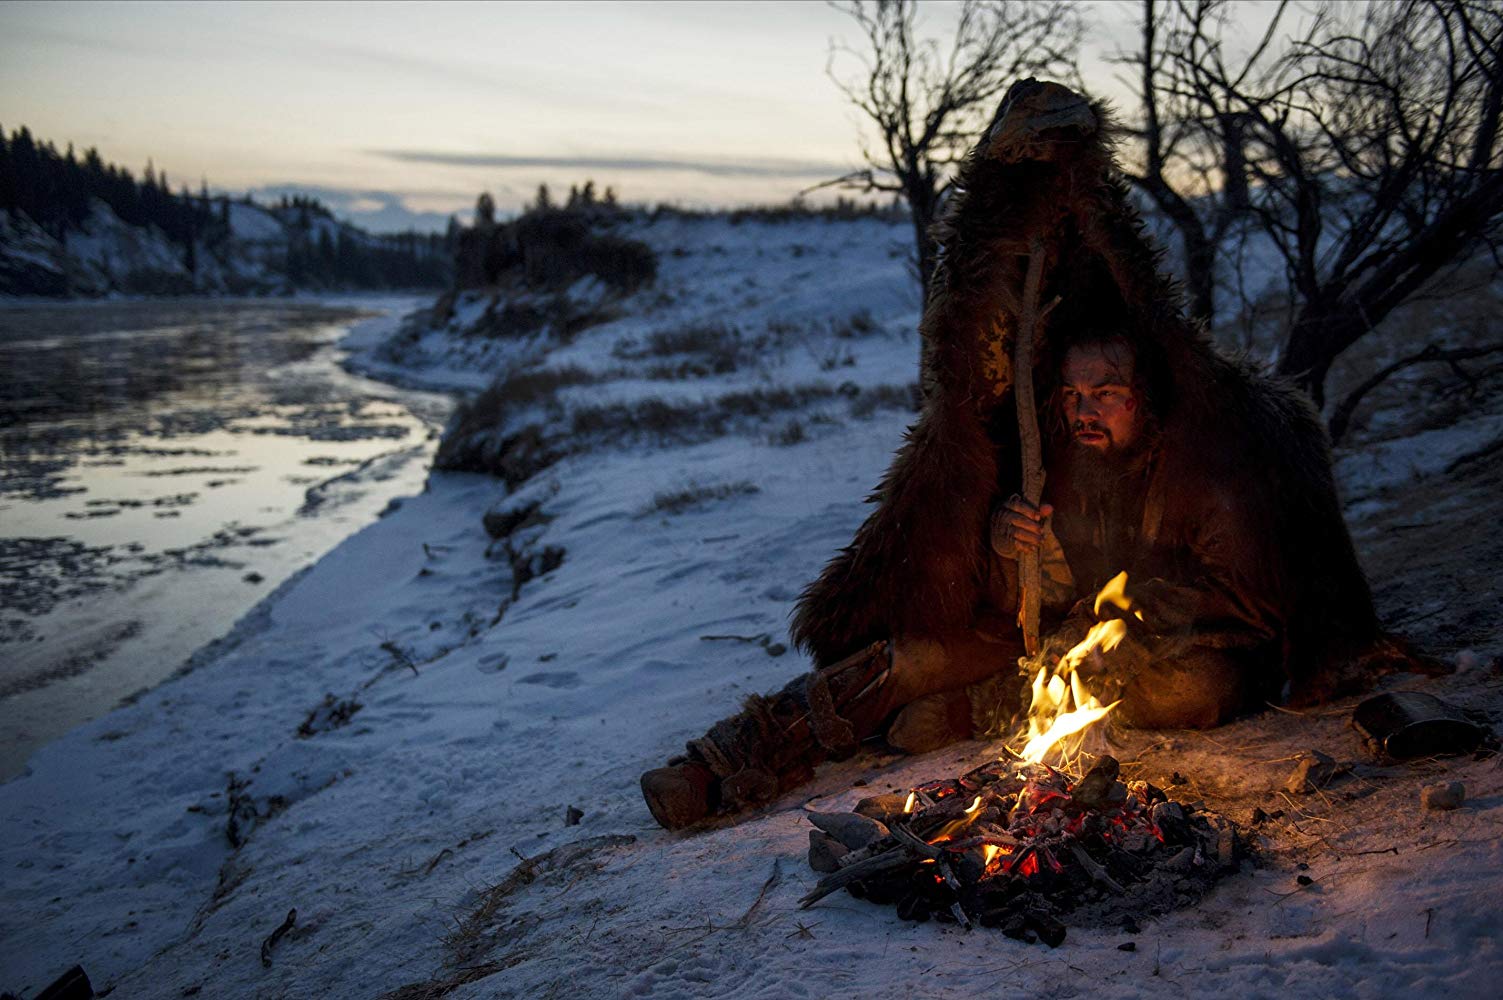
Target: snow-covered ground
x=422 y=840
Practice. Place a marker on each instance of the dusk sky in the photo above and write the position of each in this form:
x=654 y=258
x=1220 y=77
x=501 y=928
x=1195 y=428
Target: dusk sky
x=391 y=112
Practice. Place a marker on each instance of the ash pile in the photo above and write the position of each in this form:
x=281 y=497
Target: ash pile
x=1025 y=848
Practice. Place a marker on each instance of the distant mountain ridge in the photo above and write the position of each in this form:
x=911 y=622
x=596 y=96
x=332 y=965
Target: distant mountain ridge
x=73 y=226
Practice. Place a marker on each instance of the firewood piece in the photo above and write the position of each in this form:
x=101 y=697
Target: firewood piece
x=913 y=907
x=1100 y=788
x=895 y=858
x=920 y=847
x=1107 y=765
x=1168 y=812
x=883 y=808
x=1016 y=927
x=1226 y=846
x=872 y=850
x=825 y=852
x=851 y=829
x=956 y=910
x=1315 y=770
x=1097 y=873
x=1049 y=930
x=71 y=985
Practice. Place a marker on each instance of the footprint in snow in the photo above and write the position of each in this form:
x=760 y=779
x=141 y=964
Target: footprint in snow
x=554 y=679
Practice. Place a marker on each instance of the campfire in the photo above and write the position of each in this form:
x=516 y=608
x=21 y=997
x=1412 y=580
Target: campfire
x=1021 y=843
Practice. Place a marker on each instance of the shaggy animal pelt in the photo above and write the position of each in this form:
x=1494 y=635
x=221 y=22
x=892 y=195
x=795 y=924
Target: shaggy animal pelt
x=918 y=566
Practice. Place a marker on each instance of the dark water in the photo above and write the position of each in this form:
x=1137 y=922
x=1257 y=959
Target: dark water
x=163 y=466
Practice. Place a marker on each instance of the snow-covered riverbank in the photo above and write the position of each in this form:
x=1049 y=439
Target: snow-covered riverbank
x=385 y=739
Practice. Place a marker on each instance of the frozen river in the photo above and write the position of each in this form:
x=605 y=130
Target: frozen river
x=163 y=467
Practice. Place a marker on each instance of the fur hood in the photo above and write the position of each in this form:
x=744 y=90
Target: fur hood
x=1045 y=170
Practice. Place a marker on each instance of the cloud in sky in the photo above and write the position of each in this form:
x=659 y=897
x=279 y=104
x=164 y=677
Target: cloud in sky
x=419 y=107
x=699 y=104
x=770 y=168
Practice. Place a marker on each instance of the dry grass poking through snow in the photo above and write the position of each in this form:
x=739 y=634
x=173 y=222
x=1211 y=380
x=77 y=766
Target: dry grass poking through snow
x=696 y=495
x=697 y=350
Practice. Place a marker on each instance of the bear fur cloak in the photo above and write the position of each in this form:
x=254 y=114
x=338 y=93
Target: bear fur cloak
x=918 y=566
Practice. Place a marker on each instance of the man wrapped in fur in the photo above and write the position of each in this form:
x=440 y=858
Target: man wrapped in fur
x=1207 y=482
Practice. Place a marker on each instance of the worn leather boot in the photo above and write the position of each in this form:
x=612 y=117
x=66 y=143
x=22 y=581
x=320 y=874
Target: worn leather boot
x=774 y=743
x=681 y=794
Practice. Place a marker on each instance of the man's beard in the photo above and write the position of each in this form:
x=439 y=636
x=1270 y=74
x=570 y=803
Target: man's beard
x=1095 y=473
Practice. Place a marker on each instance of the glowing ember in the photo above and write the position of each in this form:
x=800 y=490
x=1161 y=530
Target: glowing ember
x=1062 y=706
x=1019 y=846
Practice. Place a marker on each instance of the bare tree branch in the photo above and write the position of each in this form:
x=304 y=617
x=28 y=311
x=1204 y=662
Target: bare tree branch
x=1362 y=140
x=928 y=104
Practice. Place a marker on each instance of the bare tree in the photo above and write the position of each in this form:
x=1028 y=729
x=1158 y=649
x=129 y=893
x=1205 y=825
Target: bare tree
x=1365 y=150
x=930 y=100
x=1191 y=150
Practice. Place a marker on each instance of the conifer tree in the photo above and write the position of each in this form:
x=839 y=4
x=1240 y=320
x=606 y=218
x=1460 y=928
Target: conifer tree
x=485 y=211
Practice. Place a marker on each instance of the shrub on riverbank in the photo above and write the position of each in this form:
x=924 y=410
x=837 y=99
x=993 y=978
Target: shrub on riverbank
x=549 y=249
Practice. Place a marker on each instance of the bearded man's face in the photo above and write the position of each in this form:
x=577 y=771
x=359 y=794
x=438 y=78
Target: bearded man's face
x=1102 y=409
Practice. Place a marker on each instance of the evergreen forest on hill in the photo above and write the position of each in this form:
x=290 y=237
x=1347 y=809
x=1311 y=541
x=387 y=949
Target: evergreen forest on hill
x=57 y=190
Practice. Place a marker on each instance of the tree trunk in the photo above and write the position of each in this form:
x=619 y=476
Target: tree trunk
x=1200 y=275
x=1199 y=249
x=1321 y=331
x=923 y=205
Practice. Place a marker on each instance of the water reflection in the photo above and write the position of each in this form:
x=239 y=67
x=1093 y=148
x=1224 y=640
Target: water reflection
x=210 y=446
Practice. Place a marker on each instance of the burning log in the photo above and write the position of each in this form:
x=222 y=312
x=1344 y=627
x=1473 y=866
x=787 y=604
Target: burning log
x=1019 y=846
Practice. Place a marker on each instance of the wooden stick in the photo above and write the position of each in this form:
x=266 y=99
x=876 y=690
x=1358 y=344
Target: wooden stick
x=895 y=858
x=1030 y=578
x=1094 y=870
x=917 y=845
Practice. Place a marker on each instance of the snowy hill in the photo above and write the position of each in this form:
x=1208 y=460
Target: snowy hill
x=255 y=253
x=389 y=744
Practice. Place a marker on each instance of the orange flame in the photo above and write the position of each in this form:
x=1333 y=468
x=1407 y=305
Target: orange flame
x=993 y=855
x=1062 y=706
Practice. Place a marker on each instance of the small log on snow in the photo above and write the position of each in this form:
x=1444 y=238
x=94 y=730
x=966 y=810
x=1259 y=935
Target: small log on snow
x=897 y=857
x=851 y=829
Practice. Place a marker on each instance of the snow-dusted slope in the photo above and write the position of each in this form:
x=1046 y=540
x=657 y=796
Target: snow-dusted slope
x=107 y=255
x=491 y=702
